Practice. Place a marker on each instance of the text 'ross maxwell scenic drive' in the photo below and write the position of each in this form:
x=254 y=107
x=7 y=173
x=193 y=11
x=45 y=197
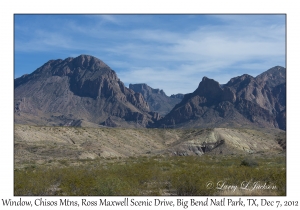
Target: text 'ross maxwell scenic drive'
x=80 y=131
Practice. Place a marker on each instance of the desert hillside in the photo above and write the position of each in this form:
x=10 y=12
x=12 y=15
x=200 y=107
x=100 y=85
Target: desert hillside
x=43 y=144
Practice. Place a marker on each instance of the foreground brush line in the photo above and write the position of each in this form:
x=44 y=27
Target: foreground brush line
x=191 y=175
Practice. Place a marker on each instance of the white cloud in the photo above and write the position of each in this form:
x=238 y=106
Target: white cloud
x=202 y=52
x=172 y=59
x=42 y=41
x=109 y=18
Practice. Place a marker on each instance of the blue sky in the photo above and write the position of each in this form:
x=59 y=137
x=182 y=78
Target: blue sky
x=169 y=52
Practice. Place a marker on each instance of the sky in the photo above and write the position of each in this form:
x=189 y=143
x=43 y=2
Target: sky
x=169 y=52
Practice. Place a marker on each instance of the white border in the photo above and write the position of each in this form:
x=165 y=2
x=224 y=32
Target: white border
x=9 y=8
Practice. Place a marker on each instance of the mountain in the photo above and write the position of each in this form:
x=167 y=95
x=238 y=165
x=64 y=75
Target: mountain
x=84 y=91
x=267 y=89
x=78 y=91
x=157 y=100
x=178 y=95
x=272 y=77
x=245 y=101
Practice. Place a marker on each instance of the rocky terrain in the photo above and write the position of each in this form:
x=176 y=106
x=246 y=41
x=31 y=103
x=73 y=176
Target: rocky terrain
x=84 y=91
x=244 y=101
x=78 y=91
x=157 y=100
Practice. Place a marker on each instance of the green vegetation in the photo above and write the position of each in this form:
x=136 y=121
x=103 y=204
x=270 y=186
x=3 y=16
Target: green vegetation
x=191 y=175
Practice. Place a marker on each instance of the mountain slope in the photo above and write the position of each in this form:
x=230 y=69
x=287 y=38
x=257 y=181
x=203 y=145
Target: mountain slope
x=78 y=90
x=244 y=101
x=84 y=91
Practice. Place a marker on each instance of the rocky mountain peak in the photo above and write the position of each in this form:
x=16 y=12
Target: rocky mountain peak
x=243 y=101
x=178 y=95
x=87 y=61
x=145 y=89
x=84 y=88
x=245 y=79
x=209 y=88
x=272 y=77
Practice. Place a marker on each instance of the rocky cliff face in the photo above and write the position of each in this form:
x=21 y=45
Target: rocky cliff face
x=243 y=101
x=82 y=88
x=157 y=99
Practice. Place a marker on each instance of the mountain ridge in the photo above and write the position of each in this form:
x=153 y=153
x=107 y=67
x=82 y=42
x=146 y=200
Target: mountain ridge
x=83 y=87
x=156 y=98
x=243 y=101
x=84 y=91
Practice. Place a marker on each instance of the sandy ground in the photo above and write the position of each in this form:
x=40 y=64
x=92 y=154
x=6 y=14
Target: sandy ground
x=42 y=144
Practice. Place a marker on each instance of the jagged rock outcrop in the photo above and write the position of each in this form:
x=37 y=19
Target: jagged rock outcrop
x=178 y=95
x=272 y=77
x=244 y=101
x=83 y=87
x=157 y=100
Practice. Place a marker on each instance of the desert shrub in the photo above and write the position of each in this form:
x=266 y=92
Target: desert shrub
x=148 y=176
x=110 y=186
x=185 y=183
x=32 y=181
x=249 y=162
